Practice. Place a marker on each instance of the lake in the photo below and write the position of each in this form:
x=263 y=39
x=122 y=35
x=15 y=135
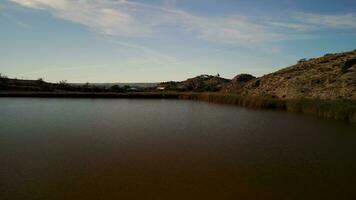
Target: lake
x=169 y=149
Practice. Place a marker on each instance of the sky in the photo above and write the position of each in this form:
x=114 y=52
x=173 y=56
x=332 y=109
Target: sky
x=102 y=41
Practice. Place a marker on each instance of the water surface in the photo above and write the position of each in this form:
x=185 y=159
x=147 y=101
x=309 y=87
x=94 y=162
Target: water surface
x=169 y=149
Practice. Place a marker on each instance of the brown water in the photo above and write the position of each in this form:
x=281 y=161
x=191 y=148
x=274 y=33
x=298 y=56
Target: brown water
x=169 y=149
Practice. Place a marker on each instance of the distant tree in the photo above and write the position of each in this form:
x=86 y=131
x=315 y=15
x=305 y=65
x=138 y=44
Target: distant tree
x=127 y=87
x=86 y=86
x=2 y=76
x=218 y=75
x=116 y=88
x=63 y=82
x=40 y=81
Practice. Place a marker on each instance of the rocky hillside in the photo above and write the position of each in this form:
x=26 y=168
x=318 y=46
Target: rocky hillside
x=202 y=83
x=332 y=76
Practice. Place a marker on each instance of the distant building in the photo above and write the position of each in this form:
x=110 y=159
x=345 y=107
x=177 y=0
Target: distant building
x=161 y=88
x=133 y=89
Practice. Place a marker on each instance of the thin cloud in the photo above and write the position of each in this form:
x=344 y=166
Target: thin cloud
x=294 y=26
x=17 y=21
x=149 y=55
x=340 y=21
x=132 y=19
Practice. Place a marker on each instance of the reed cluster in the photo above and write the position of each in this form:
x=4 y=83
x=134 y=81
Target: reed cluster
x=344 y=110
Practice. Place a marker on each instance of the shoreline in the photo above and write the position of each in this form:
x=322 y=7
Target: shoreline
x=342 y=110
x=143 y=95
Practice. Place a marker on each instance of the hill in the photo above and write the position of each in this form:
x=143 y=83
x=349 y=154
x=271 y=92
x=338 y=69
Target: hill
x=332 y=76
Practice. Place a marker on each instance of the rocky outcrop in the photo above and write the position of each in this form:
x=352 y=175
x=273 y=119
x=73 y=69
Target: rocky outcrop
x=332 y=76
x=242 y=78
x=238 y=82
x=202 y=83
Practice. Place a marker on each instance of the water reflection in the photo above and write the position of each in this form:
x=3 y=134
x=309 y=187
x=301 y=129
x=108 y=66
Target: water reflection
x=169 y=149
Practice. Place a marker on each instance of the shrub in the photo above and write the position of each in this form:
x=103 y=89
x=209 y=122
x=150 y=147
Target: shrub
x=348 y=64
x=40 y=81
x=116 y=88
x=3 y=76
x=302 y=61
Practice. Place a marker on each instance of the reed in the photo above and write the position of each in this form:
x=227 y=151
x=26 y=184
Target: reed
x=234 y=99
x=343 y=110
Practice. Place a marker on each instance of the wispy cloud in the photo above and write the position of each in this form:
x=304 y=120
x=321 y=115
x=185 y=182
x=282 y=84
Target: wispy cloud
x=15 y=20
x=149 y=55
x=294 y=26
x=327 y=21
x=132 y=19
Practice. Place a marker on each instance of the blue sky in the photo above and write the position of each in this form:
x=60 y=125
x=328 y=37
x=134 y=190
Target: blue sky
x=161 y=40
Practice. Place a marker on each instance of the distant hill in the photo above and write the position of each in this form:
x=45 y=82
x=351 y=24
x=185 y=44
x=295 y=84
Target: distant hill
x=137 y=85
x=19 y=85
x=332 y=76
x=7 y=84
